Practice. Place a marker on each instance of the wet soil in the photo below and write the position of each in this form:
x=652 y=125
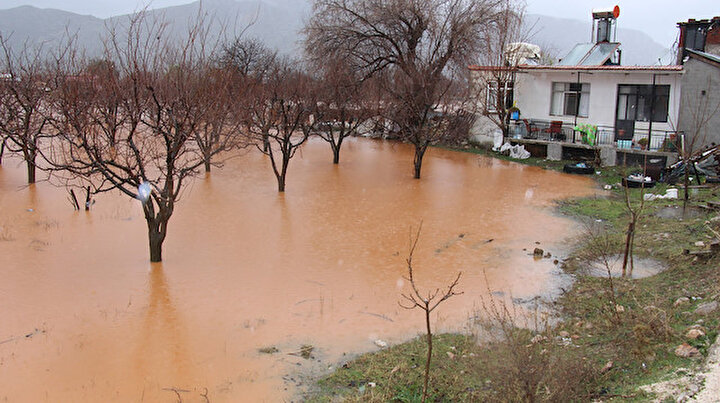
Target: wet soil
x=642 y=267
x=85 y=317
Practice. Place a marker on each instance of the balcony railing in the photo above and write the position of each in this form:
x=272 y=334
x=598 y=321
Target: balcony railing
x=659 y=140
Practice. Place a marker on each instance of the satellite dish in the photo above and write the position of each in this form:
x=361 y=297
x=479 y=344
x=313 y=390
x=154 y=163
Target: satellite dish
x=616 y=11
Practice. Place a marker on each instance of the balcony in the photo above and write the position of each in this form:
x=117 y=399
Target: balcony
x=558 y=131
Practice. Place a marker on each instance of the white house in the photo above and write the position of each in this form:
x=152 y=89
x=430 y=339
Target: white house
x=588 y=86
x=625 y=102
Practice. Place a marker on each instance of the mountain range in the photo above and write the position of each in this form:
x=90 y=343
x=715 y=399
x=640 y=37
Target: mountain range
x=277 y=23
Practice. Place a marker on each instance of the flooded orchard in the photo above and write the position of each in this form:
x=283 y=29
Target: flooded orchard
x=84 y=316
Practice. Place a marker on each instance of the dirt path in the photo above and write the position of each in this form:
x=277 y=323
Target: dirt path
x=711 y=391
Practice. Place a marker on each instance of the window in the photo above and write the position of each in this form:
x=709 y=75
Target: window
x=494 y=98
x=570 y=99
x=639 y=102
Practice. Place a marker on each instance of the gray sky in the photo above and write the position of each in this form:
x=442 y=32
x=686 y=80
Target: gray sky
x=655 y=17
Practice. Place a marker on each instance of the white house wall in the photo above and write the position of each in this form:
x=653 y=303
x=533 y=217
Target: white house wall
x=533 y=91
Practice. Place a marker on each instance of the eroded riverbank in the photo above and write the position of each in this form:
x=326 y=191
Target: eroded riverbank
x=246 y=268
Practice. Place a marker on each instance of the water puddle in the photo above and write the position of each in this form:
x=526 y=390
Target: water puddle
x=86 y=317
x=643 y=267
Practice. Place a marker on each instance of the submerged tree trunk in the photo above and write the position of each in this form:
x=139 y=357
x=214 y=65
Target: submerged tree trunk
x=207 y=165
x=2 y=150
x=30 y=171
x=419 y=153
x=157 y=227
x=156 y=237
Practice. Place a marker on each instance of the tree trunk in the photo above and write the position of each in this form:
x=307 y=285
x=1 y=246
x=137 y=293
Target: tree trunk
x=87 y=198
x=2 y=151
x=207 y=165
x=686 y=184
x=156 y=238
x=419 y=153
x=30 y=171
x=628 y=245
x=336 y=155
x=429 y=354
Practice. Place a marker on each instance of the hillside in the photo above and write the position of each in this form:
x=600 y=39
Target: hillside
x=277 y=22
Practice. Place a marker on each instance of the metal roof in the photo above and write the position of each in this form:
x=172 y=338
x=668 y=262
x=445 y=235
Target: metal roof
x=706 y=55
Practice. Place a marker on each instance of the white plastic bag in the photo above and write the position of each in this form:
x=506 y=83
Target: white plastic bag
x=519 y=152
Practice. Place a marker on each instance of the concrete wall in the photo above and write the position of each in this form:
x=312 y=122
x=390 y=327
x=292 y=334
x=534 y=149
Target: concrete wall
x=533 y=91
x=695 y=107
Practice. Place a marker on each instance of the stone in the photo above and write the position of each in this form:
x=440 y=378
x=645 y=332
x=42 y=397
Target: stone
x=681 y=301
x=686 y=351
x=693 y=334
x=619 y=308
x=450 y=355
x=706 y=308
x=537 y=339
x=700 y=244
x=564 y=334
x=381 y=343
x=548 y=255
x=608 y=366
x=538 y=252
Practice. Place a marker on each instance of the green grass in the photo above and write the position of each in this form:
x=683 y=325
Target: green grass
x=640 y=344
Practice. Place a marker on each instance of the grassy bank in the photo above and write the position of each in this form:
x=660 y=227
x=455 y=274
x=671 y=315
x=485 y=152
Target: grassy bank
x=613 y=335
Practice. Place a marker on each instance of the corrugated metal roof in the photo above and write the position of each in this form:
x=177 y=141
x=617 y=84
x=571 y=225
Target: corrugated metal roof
x=706 y=55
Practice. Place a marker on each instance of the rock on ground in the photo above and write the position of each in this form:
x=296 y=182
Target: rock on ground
x=711 y=391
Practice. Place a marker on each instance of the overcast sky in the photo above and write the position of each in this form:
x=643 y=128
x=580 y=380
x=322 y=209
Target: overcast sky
x=655 y=17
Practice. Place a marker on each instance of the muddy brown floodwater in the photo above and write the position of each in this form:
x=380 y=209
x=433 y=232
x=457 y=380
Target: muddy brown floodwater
x=84 y=316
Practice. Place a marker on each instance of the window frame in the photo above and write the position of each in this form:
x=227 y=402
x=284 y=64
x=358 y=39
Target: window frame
x=636 y=102
x=569 y=92
x=491 y=91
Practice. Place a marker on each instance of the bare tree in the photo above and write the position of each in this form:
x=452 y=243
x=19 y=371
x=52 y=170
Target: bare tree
x=343 y=104
x=281 y=112
x=423 y=46
x=159 y=89
x=427 y=302
x=249 y=62
x=221 y=98
x=25 y=90
x=249 y=57
x=502 y=52
x=634 y=211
